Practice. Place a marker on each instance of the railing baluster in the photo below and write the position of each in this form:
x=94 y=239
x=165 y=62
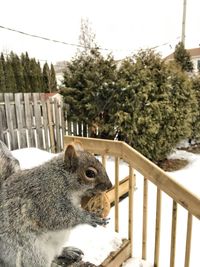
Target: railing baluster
x=157 y=230
x=188 y=240
x=145 y=211
x=131 y=192
x=117 y=194
x=104 y=160
x=173 y=234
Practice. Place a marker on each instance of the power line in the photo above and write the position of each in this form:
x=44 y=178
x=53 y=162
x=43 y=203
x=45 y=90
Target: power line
x=76 y=45
x=46 y=38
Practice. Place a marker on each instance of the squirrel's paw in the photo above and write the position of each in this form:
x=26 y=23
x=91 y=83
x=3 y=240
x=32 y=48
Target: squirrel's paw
x=96 y=220
x=68 y=256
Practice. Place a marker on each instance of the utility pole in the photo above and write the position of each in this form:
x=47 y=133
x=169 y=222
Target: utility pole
x=183 y=22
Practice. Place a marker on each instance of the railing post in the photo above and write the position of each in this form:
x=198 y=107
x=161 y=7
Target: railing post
x=145 y=210
x=188 y=240
x=131 y=192
x=173 y=234
x=117 y=194
x=157 y=230
x=103 y=157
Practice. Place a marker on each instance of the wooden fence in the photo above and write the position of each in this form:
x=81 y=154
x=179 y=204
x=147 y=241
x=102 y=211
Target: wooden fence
x=31 y=120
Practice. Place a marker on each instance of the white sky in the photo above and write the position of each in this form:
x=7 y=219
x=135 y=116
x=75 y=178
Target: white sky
x=123 y=26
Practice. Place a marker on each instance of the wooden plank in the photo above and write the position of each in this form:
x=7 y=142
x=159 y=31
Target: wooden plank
x=157 y=229
x=19 y=116
x=69 y=127
x=145 y=213
x=85 y=132
x=173 y=235
x=123 y=189
x=80 y=133
x=103 y=157
x=188 y=240
x=3 y=124
x=74 y=123
x=29 y=119
x=51 y=130
x=62 y=126
x=10 y=121
x=38 y=121
x=116 y=194
x=116 y=258
x=131 y=193
x=45 y=121
x=97 y=146
x=57 y=126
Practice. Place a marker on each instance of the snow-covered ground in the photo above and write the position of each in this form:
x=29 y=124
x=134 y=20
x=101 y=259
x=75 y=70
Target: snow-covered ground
x=98 y=242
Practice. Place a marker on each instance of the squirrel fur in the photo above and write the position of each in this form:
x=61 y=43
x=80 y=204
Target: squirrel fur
x=39 y=206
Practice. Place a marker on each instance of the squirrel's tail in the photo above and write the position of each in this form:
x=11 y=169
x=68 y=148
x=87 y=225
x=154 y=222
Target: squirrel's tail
x=8 y=164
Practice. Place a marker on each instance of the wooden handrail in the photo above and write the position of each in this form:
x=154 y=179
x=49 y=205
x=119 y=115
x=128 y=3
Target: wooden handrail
x=147 y=168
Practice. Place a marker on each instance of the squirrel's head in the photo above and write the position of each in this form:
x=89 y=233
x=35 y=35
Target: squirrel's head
x=89 y=172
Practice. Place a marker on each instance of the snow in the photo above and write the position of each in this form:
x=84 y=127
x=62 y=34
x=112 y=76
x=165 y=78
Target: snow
x=97 y=243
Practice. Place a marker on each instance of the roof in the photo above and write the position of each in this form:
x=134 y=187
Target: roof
x=49 y=95
x=194 y=52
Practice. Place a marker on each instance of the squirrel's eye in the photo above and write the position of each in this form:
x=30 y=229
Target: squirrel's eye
x=91 y=173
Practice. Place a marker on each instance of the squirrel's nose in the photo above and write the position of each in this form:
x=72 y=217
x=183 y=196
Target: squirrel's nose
x=109 y=186
x=104 y=186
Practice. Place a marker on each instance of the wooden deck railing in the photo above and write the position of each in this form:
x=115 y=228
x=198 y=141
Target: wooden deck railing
x=163 y=182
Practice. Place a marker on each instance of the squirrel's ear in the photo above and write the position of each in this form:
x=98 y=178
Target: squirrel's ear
x=71 y=155
x=77 y=145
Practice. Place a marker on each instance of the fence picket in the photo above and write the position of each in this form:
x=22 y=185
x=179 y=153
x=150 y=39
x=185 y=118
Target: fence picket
x=57 y=125
x=19 y=117
x=10 y=115
x=3 y=126
x=38 y=121
x=45 y=122
x=29 y=119
x=51 y=131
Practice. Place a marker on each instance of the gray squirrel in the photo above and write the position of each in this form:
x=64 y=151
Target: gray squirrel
x=8 y=164
x=39 y=205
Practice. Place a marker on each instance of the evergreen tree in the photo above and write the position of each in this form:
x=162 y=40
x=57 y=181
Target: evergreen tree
x=2 y=76
x=3 y=61
x=10 y=77
x=89 y=81
x=182 y=58
x=53 y=83
x=196 y=110
x=46 y=78
x=25 y=61
x=153 y=109
x=34 y=76
x=39 y=77
x=18 y=72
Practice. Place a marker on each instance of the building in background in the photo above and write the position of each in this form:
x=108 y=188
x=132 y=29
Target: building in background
x=195 y=58
x=59 y=68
